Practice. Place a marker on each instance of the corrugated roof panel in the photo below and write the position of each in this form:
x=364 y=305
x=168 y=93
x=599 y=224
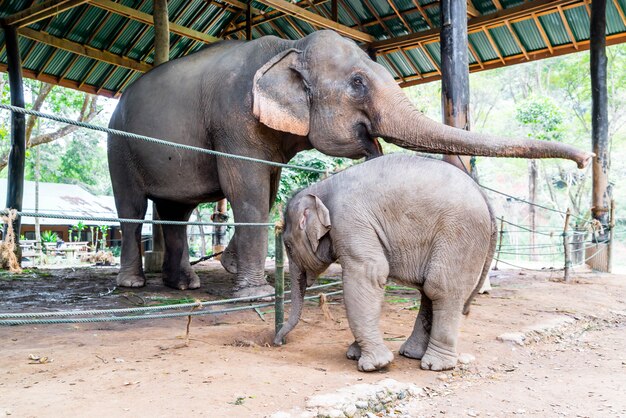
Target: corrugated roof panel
x=89 y=22
x=578 y=20
x=58 y=63
x=132 y=30
x=115 y=78
x=359 y=9
x=63 y=22
x=482 y=46
x=217 y=25
x=553 y=25
x=484 y=6
x=378 y=31
x=529 y=35
x=401 y=64
x=97 y=73
x=344 y=16
x=614 y=22
x=386 y=64
x=80 y=68
x=505 y=41
x=37 y=57
x=381 y=7
x=403 y=5
x=416 y=21
x=511 y=3
x=396 y=27
x=421 y=61
x=470 y=57
x=108 y=32
x=434 y=50
x=24 y=45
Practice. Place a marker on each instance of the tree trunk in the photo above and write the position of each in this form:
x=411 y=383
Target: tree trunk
x=532 y=198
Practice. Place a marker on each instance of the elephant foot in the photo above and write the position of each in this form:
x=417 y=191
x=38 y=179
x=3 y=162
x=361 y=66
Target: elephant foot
x=131 y=280
x=354 y=351
x=375 y=360
x=413 y=349
x=438 y=359
x=186 y=279
x=229 y=258
x=255 y=292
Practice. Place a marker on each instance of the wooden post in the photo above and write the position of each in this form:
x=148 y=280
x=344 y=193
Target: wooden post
x=532 y=198
x=279 y=279
x=495 y=267
x=249 y=21
x=153 y=260
x=611 y=238
x=17 y=155
x=566 y=248
x=599 y=115
x=219 y=232
x=455 y=72
x=334 y=12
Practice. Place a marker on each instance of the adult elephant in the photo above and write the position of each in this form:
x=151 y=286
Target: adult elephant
x=268 y=98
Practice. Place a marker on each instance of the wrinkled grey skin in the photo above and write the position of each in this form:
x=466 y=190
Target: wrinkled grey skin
x=268 y=98
x=420 y=222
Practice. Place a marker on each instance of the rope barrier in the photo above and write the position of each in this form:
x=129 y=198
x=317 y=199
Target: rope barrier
x=13 y=322
x=156 y=140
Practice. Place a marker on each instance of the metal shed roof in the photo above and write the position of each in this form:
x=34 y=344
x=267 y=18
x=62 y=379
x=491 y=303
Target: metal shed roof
x=101 y=46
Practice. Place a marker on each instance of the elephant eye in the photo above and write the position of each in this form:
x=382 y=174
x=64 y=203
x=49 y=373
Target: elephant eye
x=357 y=80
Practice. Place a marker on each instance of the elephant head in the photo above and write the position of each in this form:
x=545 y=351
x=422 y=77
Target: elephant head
x=327 y=89
x=307 y=223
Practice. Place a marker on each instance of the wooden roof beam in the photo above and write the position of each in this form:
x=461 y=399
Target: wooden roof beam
x=512 y=13
x=317 y=20
x=471 y=10
x=41 y=11
x=84 y=50
x=147 y=19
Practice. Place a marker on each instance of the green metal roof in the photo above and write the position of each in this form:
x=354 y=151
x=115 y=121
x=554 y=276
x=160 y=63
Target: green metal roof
x=405 y=31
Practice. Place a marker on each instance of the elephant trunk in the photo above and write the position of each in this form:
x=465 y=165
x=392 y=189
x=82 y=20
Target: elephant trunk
x=403 y=125
x=298 y=288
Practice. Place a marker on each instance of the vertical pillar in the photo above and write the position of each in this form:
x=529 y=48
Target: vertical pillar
x=219 y=232
x=153 y=260
x=334 y=12
x=279 y=279
x=249 y=21
x=599 y=114
x=455 y=72
x=17 y=155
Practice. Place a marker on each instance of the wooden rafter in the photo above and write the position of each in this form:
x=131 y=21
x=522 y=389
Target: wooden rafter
x=147 y=19
x=620 y=11
x=517 y=59
x=542 y=32
x=475 y=54
x=402 y=19
x=521 y=11
x=493 y=43
x=423 y=12
x=84 y=50
x=568 y=28
x=497 y=4
x=274 y=14
x=394 y=66
x=518 y=41
x=312 y=18
x=430 y=58
x=377 y=17
x=351 y=13
x=41 y=11
x=471 y=10
x=410 y=61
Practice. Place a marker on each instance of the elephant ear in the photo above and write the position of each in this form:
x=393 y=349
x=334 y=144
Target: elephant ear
x=279 y=94
x=315 y=220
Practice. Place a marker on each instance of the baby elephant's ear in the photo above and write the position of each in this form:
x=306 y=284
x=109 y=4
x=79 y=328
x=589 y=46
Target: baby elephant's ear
x=279 y=94
x=317 y=222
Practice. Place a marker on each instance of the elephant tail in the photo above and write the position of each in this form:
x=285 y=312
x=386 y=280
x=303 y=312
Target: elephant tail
x=490 y=253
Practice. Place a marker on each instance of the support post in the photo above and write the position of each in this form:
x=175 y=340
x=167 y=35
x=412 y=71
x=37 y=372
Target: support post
x=611 y=237
x=153 y=260
x=17 y=155
x=219 y=232
x=455 y=73
x=334 y=12
x=279 y=279
x=566 y=248
x=249 y=21
x=599 y=116
x=495 y=267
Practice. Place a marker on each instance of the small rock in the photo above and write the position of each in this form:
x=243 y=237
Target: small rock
x=370 y=415
x=513 y=337
x=334 y=413
x=466 y=358
x=401 y=395
x=472 y=413
x=350 y=411
x=361 y=404
x=442 y=377
x=380 y=395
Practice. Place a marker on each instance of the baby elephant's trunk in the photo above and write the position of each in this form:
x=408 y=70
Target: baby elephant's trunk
x=298 y=287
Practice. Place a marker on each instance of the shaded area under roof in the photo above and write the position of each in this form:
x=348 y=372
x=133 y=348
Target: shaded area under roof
x=101 y=46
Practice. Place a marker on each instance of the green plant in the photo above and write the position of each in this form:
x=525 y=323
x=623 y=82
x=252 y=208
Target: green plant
x=104 y=230
x=79 y=228
x=49 y=236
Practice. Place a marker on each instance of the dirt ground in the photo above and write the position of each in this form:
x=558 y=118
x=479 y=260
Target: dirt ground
x=573 y=362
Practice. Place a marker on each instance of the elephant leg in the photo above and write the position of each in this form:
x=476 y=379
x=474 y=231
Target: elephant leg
x=131 y=271
x=364 y=290
x=250 y=200
x=177 y=272
x=441 y=352
x=354 y=351
x=415 y=346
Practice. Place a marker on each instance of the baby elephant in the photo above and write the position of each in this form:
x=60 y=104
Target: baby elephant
x=418 y=221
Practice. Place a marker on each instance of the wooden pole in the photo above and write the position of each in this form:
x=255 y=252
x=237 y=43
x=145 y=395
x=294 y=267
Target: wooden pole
x=495 y=267
x=249 y=21
x=334 y=12
x=219 y=232
x=566 y=248
x=279 y=279
x=532 y=198
x=455 y=72
x=599 y=116
x=611 y=238
x=153 y=260
x=17 y=155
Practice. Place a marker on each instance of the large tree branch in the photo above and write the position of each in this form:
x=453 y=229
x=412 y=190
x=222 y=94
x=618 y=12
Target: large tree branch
x=44 y=90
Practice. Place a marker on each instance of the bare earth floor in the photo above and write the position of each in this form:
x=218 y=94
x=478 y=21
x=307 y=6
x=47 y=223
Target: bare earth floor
x=572 y=362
